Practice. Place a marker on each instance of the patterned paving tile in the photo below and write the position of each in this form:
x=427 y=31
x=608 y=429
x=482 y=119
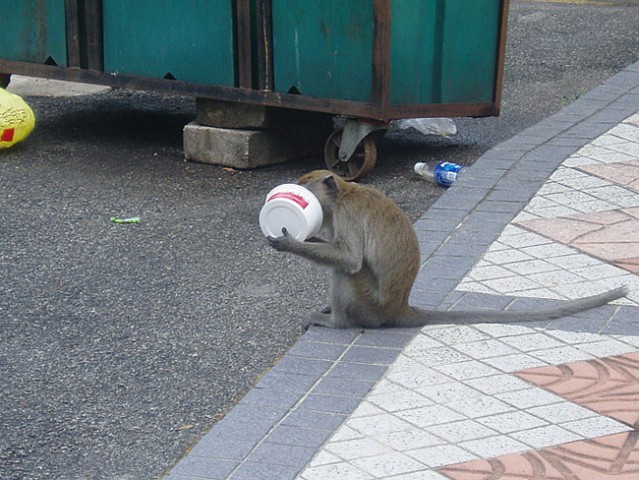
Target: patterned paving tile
x=609 y=386
x=611 y=457
x=612 y=236
x=625 y=174
x=579 y=235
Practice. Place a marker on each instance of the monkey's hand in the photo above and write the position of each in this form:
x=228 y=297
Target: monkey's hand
x=283 y=243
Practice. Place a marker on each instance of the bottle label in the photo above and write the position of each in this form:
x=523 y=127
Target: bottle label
x=446 y=173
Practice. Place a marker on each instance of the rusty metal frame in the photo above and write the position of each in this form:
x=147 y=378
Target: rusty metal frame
x=254 y=67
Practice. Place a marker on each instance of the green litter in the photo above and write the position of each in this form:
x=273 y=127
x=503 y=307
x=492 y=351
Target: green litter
x=126 y=220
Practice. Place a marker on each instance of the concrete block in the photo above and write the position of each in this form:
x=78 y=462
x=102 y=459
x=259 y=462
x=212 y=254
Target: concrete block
x=218 y=113
x=244 y=149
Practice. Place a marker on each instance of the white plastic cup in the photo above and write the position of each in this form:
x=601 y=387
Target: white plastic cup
x=292 y=207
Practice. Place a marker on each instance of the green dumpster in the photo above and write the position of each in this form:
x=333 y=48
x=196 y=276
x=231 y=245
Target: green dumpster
x=372 y=60
x=441 y=51
x=33 y=31
x=176 y=39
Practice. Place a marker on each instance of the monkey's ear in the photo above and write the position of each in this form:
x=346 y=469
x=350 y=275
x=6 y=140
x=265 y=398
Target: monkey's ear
x=331 y=184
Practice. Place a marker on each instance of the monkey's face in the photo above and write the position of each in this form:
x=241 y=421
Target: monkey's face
x=324 y=185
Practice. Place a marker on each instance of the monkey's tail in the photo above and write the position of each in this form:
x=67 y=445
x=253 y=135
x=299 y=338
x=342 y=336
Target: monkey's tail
x=421 y=317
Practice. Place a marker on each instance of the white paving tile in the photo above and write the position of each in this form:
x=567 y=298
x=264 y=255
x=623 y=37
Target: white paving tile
x=501 y=383
x=467 y=370
x=543 y=437
x=428 y=416
x=561 y=412
x=449 y=392
x=512 y=421
x=532 y=341
x=384 y=466
x=409 y=440
x=343 y=471
x=485 y=349
x=528 y=398
x=324 y=458
x=481 y=406
x=515 y=362
x=442 y=455
x=379 y=424
x=457 y=334
x=494 y=446
x=461 y=431
x=367 y=408
x=357 y=448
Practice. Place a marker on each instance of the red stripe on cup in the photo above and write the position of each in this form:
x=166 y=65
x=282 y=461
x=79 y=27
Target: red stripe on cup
x=290 y=196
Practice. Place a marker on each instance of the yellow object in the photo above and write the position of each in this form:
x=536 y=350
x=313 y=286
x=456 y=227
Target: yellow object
x=16 y=119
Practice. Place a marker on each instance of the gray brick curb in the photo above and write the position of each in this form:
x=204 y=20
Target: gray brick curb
x=277 y=428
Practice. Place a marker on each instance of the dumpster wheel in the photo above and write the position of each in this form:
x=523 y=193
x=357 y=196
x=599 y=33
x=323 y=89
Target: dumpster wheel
x=358 y=165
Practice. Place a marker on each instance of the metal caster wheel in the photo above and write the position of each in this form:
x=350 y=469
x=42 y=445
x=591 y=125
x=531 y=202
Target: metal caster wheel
x=355 y=167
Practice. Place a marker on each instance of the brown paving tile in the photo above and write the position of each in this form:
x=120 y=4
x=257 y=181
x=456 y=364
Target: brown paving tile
x=609 y=386
x=625 y=174
x=611 y=236
x=611 y=457
x=630 y=264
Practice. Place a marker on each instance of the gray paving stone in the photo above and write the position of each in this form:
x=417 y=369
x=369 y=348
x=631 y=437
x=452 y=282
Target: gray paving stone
x=371 y=355
x=624 y=322
x=331 y=335
x=471 y=300
x=622 y=328
x=303 y=366
x=316 y=350
x=246 y=432
x=258 y=471
x=427 y=300
x=471 y=249
x=429 y=284
x=345 y=386
x=513 y=206
x=577 y=324
x=223 y=449
x=448 y=268
x=204 y=468
x=271 y=397
x=391 y=338
x=449 y=222
x=322 y=421
x=370 y=373
x=285 y=455
x=627 y=313
x=330 y=403
x=286 y=381
x=465 y=237
x=472 y=224
x=256 y=414
x=299 y=436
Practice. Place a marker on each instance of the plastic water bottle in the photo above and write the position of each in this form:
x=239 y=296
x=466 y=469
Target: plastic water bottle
x=442 y=173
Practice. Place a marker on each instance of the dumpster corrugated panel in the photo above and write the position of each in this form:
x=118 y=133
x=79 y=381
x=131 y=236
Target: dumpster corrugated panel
x=469 y=56
x=33 y=31
x=416 y=31
x=324 y=48
x=190 y=40
x=444 y=51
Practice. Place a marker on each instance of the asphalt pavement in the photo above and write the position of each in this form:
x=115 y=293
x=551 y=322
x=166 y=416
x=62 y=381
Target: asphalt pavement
x=122 y=345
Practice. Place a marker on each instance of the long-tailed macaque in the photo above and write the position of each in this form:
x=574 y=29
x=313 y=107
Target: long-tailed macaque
x=372 y=249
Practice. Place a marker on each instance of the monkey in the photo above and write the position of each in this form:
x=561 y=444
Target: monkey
x=372 y=249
